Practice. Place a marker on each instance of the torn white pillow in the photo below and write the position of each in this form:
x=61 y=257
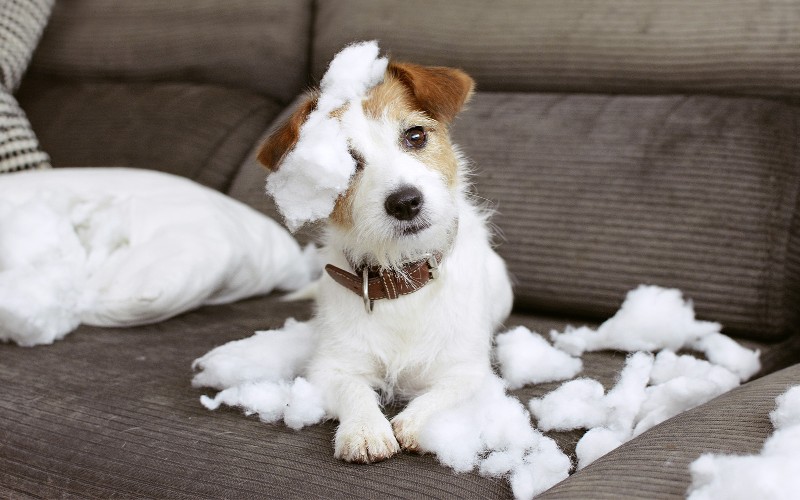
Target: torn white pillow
x=121 y=247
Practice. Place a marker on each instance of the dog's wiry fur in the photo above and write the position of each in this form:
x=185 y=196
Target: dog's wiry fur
x=432 y=346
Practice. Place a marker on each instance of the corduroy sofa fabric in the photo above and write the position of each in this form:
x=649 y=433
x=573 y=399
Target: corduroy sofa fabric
x=618 y=46
x=597 y=194
x=656 y=464
x=110 y=412
x=202 y=132
x=261 y=46
x=598 y=188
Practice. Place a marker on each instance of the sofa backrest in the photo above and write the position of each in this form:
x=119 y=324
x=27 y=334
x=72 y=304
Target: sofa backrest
x=599 y=193
x=255 y=45
x=617 y=46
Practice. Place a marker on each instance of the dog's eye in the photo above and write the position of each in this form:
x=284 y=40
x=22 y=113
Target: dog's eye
x=415 y=138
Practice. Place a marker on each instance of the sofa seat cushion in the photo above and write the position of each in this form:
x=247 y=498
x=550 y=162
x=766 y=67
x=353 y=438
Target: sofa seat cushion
x=111 y=412
x=198 y=131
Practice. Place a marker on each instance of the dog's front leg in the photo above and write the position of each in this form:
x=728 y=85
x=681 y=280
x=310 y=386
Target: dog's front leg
x=364 y=434
x=450 y=389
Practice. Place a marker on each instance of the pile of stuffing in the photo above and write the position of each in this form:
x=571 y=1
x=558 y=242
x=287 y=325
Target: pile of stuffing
x=493 y=432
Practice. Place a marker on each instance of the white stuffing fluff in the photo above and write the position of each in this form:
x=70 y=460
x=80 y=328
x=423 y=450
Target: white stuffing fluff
x=650 y=319
x=621 y=405
x=271 y=355
x=525 y=357
x=577 y=404
x=647 y=393
x=679 y=383
x=597 y=442
x=771 y=474
x=724 y=351
x=121 y=247
x=318 y=168
x=297 y=403
x=492 y=433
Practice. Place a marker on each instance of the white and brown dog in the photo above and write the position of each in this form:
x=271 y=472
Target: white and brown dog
x=413 y=290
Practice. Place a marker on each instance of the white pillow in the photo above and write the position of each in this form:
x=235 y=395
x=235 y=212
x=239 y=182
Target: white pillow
x=121 y=247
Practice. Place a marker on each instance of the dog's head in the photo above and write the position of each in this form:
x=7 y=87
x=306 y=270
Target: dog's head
x=402 y=200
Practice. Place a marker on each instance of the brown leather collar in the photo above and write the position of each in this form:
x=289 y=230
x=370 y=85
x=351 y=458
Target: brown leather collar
x=377 y=283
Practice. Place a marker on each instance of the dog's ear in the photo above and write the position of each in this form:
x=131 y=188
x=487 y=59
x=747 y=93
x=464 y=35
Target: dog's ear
x=283 y=139
x=441 y=92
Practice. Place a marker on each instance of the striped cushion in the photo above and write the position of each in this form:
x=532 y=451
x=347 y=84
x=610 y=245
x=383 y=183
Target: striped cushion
x=621 y=46
x=597 y=194
x=21 y=25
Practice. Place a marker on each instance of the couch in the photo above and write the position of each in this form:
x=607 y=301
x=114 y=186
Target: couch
x=619 y=142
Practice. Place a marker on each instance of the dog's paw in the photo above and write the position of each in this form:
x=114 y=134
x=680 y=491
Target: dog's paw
x=406 y=430
x=365 y=442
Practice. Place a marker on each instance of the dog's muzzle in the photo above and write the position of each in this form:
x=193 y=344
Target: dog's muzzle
x=375 y=283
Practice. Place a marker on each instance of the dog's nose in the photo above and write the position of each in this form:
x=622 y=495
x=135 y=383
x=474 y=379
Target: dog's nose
x=405 y=203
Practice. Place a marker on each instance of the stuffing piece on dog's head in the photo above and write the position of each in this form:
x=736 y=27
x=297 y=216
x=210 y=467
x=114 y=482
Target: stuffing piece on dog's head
x=311 y=148
x=375 y=158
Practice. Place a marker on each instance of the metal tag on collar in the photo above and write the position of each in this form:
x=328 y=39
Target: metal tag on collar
x=365 y=290
x=433 y=265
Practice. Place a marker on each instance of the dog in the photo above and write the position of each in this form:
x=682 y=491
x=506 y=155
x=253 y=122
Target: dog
x=414 y=289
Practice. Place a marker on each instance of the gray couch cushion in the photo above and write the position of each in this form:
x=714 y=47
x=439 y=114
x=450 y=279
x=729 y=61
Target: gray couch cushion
x=199 y=131
x=110 y=412
x=656 y=464
x=743 y=47
x=597 y=194
x=260 y=45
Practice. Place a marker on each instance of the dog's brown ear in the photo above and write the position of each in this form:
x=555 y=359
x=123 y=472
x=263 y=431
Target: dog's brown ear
x=282 y=140
x=441 y=92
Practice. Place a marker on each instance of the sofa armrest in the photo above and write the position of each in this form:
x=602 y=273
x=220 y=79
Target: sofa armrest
x=656 y=464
